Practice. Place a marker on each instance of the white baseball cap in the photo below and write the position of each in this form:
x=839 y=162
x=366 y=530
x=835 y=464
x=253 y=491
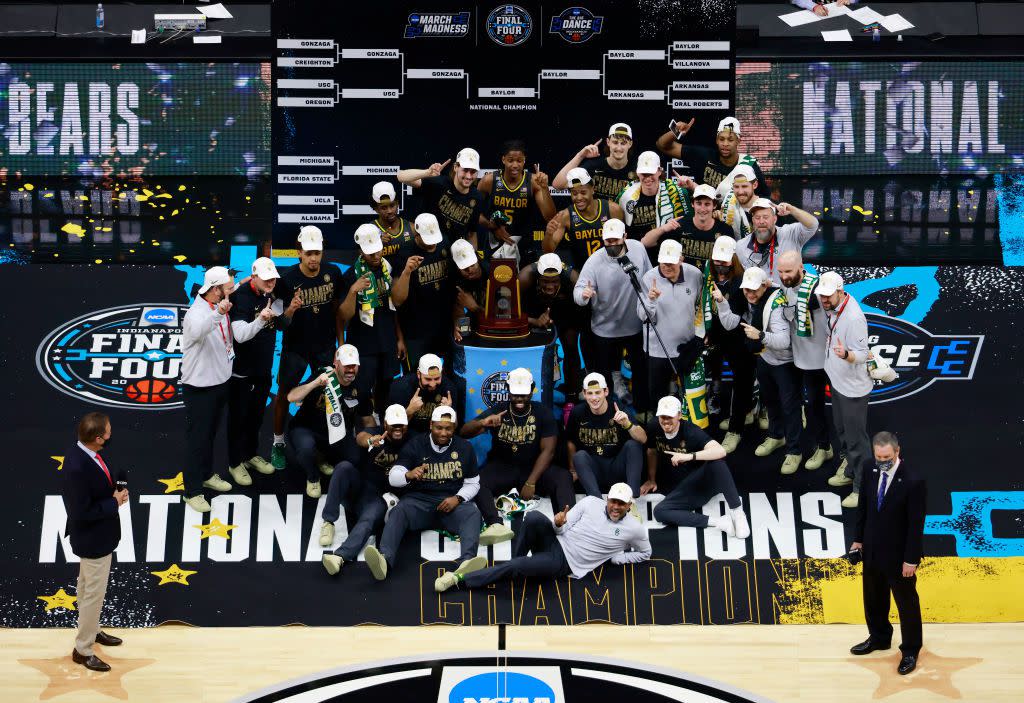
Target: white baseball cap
x=620 y=129
x=215 y=276
x=828 y=283
x=669 y=406
x=594 y=379
x=395 y=415
x=263 y=268
x=347 y=355
x=703 y=191
x=648 y=162
x=367 y=236
x=549 y=262
x=621 y=491
x=753 y=278
x=428 y=228
x=383 y=191
x=744 y=171
x=725 y=247
x=311 y=238
x=577 y=177
x=429 y=361
x=762 y=202
x=468 y=158
x=443 y=413
x=670 y=252
x=729 y=123
x=520 y=382
x=613 y=229
x=464 y=254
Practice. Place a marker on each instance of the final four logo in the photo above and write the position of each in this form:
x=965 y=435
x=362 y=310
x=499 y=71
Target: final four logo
x=123 y=357
x=576 y=25
x=494 y=389
x=437 y=24
x=509 y=25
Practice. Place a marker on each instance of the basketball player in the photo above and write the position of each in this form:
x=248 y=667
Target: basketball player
x=697 y=234
x=316 y=329
x=423 y=391
x=611 y=172
x=711 y=166
x=547 y=299
x=454 y=198
x=514 y=195
x=470 y=286
x=581 y=224
x=395 y=231
x=653 y=206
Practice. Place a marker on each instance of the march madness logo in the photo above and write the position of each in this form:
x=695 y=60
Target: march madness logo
x=918 y=356
x=509 y=25
x=437 y=24
x=576 y=25
x=123 y=357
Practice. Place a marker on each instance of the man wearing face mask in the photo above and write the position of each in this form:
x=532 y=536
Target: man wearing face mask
x=846 y=357
x=547 y=298
x=332 y=411
x=605 y=287
x=208 y=351
x=808 y=334
x=580 y=225
x=766 y=328
x=767 y=243
x=523 y=436
x=367 y=489
x=889 y=532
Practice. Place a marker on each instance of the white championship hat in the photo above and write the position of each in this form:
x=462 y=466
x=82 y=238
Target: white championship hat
x=613 y=229
x=703 y=191
x=648 y=162
x=520 y=382
x=594 y=380
x=762 y=202
x=729 y=123
x=577 y=177
x=828 y=283
x=428 y=228
x=670 y=252
x=347 y=355
x=464 y=254
x=669 y=406
x=468 y=158
x=395 y=415
x=383 y=192
x=263 y=268
x=311 y=238
x=215 y=276
x=429 y=361
x=620 y=129
x=753 y=278
x=367 y=236
x=621 y=491
x=443 y=413
x=549 y=265
x=724 y=249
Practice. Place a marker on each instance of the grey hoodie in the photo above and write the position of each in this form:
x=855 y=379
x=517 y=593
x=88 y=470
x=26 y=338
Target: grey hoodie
x=613 y=308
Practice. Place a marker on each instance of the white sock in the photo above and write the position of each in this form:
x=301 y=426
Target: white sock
x=278 y=439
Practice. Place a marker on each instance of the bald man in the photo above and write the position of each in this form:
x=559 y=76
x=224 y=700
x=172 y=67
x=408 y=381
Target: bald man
x=808 y=334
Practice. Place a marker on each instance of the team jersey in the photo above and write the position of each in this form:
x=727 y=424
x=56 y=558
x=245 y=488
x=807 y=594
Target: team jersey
x=608 y=182
x=393 y=247
x=584 y=236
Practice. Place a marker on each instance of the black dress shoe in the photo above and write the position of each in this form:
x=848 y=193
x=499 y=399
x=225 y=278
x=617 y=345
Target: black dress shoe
x=92 y=662
x=108 y=640
x=907 y=664
x=867 y=646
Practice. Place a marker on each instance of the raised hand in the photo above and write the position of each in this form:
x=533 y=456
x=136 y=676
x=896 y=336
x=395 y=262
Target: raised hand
x=592 y=151
x=783 y=209
x=588 y=291
x=415 y=474
x=447 y=399
x=620 y=417
x=539 y=177
x=684 y=181
x=684 y=127
x=436 y=168
x=413 y=263
x=415 y=403
x=653 y=294
x=717 y=294
x=322 y=380
x=295 y=303
x=751 y=331
x=493 y=421
x=361 y=284
x=839 y=348
x=266 y=314
x=560 y=516
x=224 y=306
x=545 y=320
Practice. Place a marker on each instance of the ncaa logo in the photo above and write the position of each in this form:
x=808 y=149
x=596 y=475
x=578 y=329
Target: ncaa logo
x=122 y=357
x=509 y=685
x=920 y=357
x=576 y=25
x=494 y=389
x=509 y=25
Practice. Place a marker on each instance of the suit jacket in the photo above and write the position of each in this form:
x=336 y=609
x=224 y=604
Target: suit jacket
x=892 y=535
x=93 y=523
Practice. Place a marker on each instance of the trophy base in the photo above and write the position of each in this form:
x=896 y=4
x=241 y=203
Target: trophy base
x=511 y=332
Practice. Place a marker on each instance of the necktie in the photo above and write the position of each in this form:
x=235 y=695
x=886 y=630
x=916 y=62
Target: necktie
x=881 y=490
x=104 y=467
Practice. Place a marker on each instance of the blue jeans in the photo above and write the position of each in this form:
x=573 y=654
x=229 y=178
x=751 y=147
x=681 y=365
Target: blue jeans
x=368 y=505
x=598 y=473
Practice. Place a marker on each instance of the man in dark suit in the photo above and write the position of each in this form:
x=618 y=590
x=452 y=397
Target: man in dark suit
x=91 y=501
x=889 y=531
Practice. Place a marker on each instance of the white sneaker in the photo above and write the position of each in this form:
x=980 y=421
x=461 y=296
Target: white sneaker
x=445 y=581
x=469 y=566
x=216 y=483
x=327 y=534
x=333 y=563
x=313 y=489
x=723 y=523
x=261 y=465
x=731 y=441
x=326 y=469
x=240 y=475
x=198 y=503
x=495 y=534
x=819 y=457
x=851 y=501
x=377 y=563
x=739 y=522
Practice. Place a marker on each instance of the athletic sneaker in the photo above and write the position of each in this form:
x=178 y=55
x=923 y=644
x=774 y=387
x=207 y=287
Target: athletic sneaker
x=445 y=581
x=325 y=468
x=468 y=566
x=327 y=534
x=769 y=445
x=739 y=522
x=333 y=563
x=791 y=463
x=819 y=457
x=261 y=465
x=762 y=419
x=198 y=503
x=731 y=441
x=377 y=563
x=851 y=501
x=313 y=489
x=277 y=456
x=216 y=483
x=495 y=534
x=240 y=475
x=723 y=523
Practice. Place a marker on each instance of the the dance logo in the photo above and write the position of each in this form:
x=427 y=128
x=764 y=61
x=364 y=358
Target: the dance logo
x=123 y=357
x=509 y=25
x=920 y=357
x=576 y=25
x=437 y=24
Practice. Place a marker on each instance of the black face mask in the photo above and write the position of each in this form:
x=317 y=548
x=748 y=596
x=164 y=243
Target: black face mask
x=106 y=442
x=723 y=269
x=885 y=465
x=614 y=250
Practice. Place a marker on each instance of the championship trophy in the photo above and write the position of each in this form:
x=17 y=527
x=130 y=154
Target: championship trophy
x=503 y=316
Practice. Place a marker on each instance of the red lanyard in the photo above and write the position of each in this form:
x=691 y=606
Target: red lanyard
x=832 y=322
x=220 y=326
x=771 y=254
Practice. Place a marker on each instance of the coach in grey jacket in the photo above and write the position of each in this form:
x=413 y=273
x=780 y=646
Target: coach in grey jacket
x=768 y=242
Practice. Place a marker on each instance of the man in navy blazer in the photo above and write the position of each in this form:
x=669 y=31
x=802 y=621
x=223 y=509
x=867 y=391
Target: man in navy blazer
x=91 y=500
x=889 y=532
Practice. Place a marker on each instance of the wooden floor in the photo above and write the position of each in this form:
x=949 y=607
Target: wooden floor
x=785 y=663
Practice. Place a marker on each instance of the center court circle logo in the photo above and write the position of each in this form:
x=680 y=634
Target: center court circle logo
x=509 y=25
x=122 y=357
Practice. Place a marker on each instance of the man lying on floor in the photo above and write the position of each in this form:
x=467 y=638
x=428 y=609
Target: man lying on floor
x=580 y=540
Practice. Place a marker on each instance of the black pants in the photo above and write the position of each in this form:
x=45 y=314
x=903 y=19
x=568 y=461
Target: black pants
x=247 y=403
x=572 y=375
x=440 y=344
x=376 y=373
x=204 y=406
x=597 y=473
x=814 y=382
x=497 y=478
x=659 y=369
x=851 y=418
x=782 y=396
x=608 y=359
x=418 y=511
x=741 y=363
x=537 y=535
x=877 y=587
x=309 y=447
x=683 y=505
x=361 y=497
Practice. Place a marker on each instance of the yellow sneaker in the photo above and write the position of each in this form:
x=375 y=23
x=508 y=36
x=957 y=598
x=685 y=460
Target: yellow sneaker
x=791 y=463
x=495 y=534
x=769 y=445
x=327 y=534
x=332 y=563
x=216 y=483
x=240 y=475
x=851 y=501
x=377 y=563
x=819 y=457
x=445 y=581
x=198 y=503
x=261 y=465
x=313 y=489
x=466 y=567
x=326 y=469
x=731 y=441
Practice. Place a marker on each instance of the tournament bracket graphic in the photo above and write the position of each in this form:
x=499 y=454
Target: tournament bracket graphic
x=397 y=88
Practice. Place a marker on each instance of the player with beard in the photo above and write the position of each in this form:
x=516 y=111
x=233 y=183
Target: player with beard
x=382 y=453
x=653 y=206
x=767 y=243
x=395 y=231
x=737 y=200
x=470 y=286
x=712 y=167
x=611 y=172
x=326 y=427
x=523 y=436
x=421 y=392
x=547 y=298
x=581 y=224
x=809 y=337
x=316 y=329
x=514 y=198
x=453 y=199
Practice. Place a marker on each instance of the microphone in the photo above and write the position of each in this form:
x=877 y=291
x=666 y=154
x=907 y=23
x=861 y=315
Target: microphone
x=121 y=481
x=631 y=271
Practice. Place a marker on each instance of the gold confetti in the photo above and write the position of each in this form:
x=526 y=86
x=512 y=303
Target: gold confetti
x=176 y=212
x=99 y=261
x=156 y=243
x=48 y=195
x=181 y=188
x=862 y=211
x=29 y=186
x=164 y=195
x=72 y=228
x=179 y=258
x=83 y=197
x=147 y=192
x=142 y=198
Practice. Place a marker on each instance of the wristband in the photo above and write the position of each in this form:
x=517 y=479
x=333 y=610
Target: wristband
x=628 y=427
x=693 y=456
x=531 y=485
x=461 y=499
